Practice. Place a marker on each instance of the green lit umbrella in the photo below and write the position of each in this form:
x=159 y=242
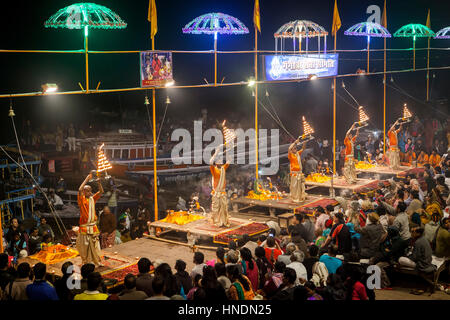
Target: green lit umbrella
x=85 y=16
x=414 y=31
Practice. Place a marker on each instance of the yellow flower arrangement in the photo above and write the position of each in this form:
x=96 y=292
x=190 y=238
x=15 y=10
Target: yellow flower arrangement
x=362 y=165
x=181 y=217
x=264 y=195
x=317 y=177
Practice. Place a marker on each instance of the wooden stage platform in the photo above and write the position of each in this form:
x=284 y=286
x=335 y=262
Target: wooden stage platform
x=387 y=172
x=340 y=184
x=271 y=207
x=204 y=230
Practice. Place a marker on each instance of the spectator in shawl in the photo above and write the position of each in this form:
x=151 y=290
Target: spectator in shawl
x=107 y=226
x=372 y=235
x=241 y=287
x=250 y=267
x=339 y=235
x=130 y=292
x=264 y=266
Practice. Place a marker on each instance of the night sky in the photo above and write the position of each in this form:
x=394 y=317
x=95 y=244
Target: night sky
x=23 y=28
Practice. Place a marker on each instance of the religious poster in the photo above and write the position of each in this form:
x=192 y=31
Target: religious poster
x=291 y=67
x=155 y=68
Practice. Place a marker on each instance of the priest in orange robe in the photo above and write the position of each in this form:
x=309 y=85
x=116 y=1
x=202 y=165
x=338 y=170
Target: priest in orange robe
x=394 y=152
x=219 y=206
x=297 y=185
x=422 y=160
x=349 y=166
x=434 y=159
x=88 y=244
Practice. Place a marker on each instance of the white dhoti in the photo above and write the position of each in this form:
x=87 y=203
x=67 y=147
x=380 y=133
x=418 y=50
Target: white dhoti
x=219 y=208
x=219 y=205
x=297 y=187
x=88 y=245
x=350 y=170
x=394 y=158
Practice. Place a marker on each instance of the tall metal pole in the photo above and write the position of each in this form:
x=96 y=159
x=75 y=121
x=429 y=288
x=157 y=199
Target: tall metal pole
x=428 y=70
x=384 y=100
x=256 y=103
x=414 y=53
x=155 y=173
x=86 y=30
x=334 y=115
x=368 y=54
x=215 y=59
x=334 y=128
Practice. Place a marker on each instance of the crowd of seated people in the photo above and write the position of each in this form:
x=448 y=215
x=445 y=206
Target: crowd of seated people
x=323 y=256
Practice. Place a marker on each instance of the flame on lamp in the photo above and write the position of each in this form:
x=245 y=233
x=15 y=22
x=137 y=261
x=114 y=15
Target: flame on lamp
x=362 y=115
x=102 y=163
x=406 y=113
x=228 y=135
x=307 y=129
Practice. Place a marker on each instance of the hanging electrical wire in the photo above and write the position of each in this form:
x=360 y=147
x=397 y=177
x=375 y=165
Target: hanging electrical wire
x=271 y=105
x=58 y=219
x=25 y=168
x=162 y=123
x=396 y=87
x=11 y=115
x=280 y=124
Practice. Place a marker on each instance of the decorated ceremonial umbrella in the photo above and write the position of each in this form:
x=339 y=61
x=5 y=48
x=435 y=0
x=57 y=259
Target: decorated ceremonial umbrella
x=85 y=16
x=414 y=31
x=443 y=33
x=214 y=24
x=368 y=29
x=299 y=29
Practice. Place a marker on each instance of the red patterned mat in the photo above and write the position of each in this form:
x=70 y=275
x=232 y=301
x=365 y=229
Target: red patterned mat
x=119 y=274
x=310 y=207
x=250 y=229
x=370 y=187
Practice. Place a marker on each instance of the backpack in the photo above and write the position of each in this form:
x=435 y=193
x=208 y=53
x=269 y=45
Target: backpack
x=320 y=274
